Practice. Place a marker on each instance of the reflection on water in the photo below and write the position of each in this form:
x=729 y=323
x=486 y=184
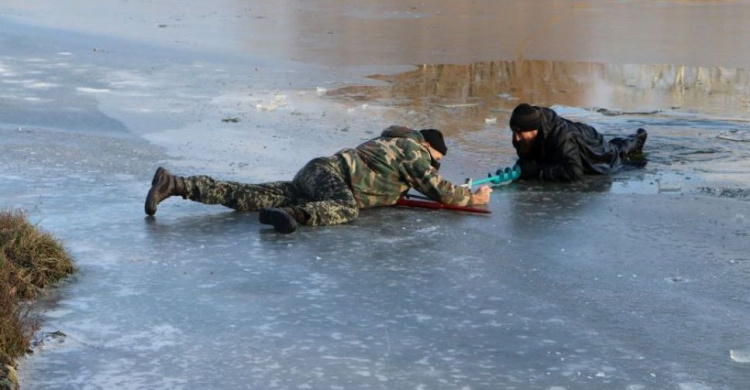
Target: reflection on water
x=473 y=95
x=400 y=32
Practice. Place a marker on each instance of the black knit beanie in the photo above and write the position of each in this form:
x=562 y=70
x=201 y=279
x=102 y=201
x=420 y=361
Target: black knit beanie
x=525 y=118
x=435 y=138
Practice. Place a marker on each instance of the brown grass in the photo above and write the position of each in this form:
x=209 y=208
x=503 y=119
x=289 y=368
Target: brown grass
x=29 y=260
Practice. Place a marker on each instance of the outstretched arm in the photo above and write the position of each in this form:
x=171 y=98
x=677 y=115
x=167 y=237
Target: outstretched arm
x=420 y=175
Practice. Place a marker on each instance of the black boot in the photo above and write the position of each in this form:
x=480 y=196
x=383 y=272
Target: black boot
x=632 y=145
x=163 y=186
x=285 y=220
x=640 y=141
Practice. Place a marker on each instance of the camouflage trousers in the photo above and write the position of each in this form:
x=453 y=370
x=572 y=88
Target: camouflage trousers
x=319 y=189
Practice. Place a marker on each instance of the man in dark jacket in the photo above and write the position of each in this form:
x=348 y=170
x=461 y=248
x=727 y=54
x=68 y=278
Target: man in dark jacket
x=556 y=149
x=332 y=190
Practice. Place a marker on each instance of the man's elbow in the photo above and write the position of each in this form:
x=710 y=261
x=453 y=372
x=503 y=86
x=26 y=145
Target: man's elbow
x=575 y=173
x=564 y=174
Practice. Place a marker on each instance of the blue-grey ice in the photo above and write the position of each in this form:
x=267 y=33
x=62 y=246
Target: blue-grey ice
x=634 y=281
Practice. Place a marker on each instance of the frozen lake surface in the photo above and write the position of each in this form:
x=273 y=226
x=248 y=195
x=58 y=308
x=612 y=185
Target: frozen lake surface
x=634 y=281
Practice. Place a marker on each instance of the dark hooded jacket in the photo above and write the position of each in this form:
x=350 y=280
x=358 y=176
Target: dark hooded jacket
x=564 y=150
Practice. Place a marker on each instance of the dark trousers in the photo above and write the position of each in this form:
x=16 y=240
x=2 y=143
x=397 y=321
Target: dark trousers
x=624 y=145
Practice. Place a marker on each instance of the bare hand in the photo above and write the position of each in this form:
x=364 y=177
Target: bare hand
x=481 y=195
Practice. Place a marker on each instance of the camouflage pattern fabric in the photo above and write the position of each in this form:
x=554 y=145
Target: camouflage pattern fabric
x=328 y=198
x=331 y=190
x=319 y=189
x=383 y=169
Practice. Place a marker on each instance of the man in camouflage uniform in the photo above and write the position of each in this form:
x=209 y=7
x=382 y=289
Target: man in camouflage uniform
x=331 y=190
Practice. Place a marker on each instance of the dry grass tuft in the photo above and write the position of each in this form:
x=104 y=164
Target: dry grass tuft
x=29 y=260
x=38 y=258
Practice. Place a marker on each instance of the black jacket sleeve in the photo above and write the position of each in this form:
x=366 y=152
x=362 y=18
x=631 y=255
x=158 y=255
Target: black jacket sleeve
x=567 y=164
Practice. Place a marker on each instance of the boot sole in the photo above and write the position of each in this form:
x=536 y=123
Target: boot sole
x=150 y=205
x=281 y=226
x=282 y=222
x=263 y=217
x=640 y=141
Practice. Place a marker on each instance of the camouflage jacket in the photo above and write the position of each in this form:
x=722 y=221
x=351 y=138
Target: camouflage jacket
x=382 y=169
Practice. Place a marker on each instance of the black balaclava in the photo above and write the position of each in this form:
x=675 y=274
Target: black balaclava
x=435 y=138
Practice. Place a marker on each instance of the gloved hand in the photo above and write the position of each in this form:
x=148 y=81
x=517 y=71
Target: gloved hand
x=529 y=169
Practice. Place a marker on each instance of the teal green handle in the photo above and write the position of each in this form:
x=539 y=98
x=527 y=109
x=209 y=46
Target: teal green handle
x=501 y=176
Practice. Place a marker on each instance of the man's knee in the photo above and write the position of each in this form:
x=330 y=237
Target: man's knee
x=331 y=214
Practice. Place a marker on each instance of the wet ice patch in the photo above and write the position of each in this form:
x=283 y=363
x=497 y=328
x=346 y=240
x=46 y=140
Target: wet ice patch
x=670 y=184
x=130 y=79
x=735 y=135
x=41 y=85
x=693 y=386
x=646 y=186
x=49 y=340
x=126 y=373
x=92 y=90
x=567 y=111
x=734 y=193
x=272 y=104
x=427 y=229
x=125 y=291
x=740 y=355
x=611 y=112
x=153 y=339
x=458 y=105
x=57 y=313
x=85 y=252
